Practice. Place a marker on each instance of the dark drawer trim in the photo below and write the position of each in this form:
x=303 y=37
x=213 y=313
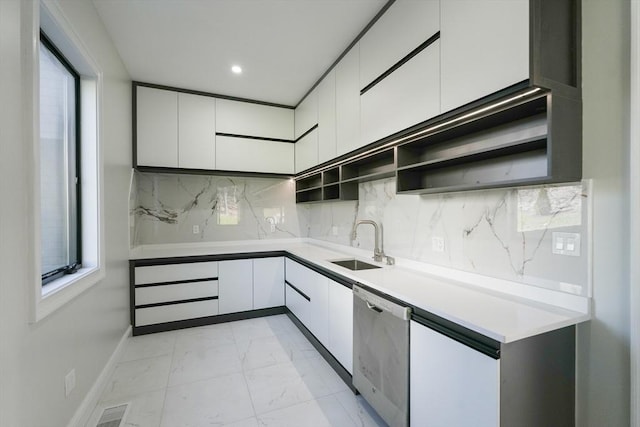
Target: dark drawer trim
x=176 y=282
x=305 y=296
x=183 y=301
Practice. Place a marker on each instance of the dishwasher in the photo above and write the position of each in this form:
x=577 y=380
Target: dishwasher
x=381 y=355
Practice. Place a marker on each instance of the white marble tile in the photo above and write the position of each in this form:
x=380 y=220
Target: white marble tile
x=266 y=351
x=136 y=377
x=214 y=402
x=260 y=327
x=249 y=422
x=145 y=410
x=143 y=346
x=204 y=337
x=323 y=412
x=282 y=385
x=193 y=364
x=361 y=413
x=317 y=366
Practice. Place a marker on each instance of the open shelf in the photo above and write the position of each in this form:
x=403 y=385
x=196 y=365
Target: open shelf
x=312 y=181
x=331 y=176
x=311 y=195
x=377 y=166
x=331 y=192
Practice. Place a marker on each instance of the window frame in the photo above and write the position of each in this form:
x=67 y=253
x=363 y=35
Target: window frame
x=76 y=235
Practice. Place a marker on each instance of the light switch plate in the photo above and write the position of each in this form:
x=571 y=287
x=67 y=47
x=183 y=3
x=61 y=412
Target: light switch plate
x=565 y=243
x=437 y=244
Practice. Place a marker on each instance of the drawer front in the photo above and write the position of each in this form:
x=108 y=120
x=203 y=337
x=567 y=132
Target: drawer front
x=170 y=313
x=300 y=276
x=175 y=272
x=298 y=304
x=177 y=292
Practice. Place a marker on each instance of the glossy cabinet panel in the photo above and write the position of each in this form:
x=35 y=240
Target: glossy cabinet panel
x=157 y=127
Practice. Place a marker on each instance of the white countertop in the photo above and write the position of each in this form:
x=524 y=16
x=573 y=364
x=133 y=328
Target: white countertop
x=464 y=298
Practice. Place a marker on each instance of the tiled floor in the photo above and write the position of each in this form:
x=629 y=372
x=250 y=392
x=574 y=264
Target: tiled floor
x=258 y=372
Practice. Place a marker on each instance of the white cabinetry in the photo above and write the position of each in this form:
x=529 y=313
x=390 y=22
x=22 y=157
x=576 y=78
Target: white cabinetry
x=307 y=296
x=236 y=285
x=341 y=324
x=327 y=149
x=485 y=48
x=408 y=96
x=403 y=27
x=348 y=102
x=253 y=155
x=249 y=119
x=306 y=114
x=156 y=127
x=451 y=385
x=268 y=282
x=306 y=155
x=196 y=131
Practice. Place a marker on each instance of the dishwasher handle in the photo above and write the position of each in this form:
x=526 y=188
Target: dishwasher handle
x=379 y=304
x=373 y=307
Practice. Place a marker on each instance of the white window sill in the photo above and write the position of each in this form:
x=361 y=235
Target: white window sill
x=58 y=292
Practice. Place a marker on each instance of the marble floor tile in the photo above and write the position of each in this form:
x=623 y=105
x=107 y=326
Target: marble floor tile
x=136 y=377
x=151 y=345
x=266 y=351
x=213 y=402
x=323 y=412
x=282 y=385
x=145 y=410
x=260 y=327
x=249 y=422
x=204 y=337
x=359 y=410
x=317 y=366
x=198 y=363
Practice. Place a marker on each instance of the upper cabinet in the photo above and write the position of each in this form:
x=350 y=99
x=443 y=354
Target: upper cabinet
x=251 y=119
x=327 y=148
x=157 y=127
x=306 y=114
x=348 y=102
x=484 y=48
x=178 y=131
x=196 y=131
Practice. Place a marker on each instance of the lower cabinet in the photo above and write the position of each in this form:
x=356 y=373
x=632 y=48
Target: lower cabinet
x=236 y=285
x=455 y=383
x=341 y=324
x=451 y=384
x=307 y=296
x=268 y=282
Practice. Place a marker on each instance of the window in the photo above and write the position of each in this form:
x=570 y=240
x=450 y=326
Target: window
x=60 y=217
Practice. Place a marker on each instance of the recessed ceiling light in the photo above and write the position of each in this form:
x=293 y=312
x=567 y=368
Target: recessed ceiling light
x=236 y=69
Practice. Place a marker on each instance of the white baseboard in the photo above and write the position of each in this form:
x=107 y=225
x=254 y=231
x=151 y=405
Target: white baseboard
x=89 y=402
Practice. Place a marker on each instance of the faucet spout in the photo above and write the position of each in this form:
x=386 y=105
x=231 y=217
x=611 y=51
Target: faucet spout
x=378 y=252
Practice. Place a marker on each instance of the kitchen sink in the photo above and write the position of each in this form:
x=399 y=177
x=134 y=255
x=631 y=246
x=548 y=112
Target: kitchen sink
x=354 y=264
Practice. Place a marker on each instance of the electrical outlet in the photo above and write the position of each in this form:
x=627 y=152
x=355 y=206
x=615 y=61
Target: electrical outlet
x=196 y=229
x=69 y=382
x=334 y=230
x=437 y=244
x=565 y=243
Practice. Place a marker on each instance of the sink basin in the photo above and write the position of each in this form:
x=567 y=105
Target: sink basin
x=354 y=264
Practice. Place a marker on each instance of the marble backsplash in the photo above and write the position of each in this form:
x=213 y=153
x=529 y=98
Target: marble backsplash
x=505 y=233
x=195 y=208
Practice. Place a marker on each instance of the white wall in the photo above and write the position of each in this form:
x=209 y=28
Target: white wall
x=34 y=358
x=603 y=343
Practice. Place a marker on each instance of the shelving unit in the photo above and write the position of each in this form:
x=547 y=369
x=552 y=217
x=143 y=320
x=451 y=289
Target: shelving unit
x=507 y=147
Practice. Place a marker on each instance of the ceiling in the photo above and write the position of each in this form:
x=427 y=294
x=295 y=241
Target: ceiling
x=283 y=46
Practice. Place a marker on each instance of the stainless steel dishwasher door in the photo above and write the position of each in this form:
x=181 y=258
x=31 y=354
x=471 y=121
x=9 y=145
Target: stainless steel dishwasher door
x=381 y=355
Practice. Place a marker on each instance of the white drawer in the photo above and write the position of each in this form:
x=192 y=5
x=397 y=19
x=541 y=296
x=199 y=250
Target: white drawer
x=177 y=292
x=175 y=272
x=300 y=276
x=170 y=313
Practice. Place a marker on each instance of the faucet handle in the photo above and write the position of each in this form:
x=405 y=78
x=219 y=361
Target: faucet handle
x=390 y=260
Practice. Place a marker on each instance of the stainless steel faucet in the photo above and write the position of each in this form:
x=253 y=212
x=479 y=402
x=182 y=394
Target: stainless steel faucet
x=378 y=251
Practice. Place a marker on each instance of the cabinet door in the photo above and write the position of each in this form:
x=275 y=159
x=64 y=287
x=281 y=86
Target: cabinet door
x=268 y=282
x=403 y=27
x=235 y=279
x=306 y=114
x=341 y=324
x=450 y=383
x=348 y=102
x=306 y=151
x=485 y=48
x=408 y=96
x=327 y=118
x=245 y=118
x=156 y=127
x=196 y=131
x=253 y=155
